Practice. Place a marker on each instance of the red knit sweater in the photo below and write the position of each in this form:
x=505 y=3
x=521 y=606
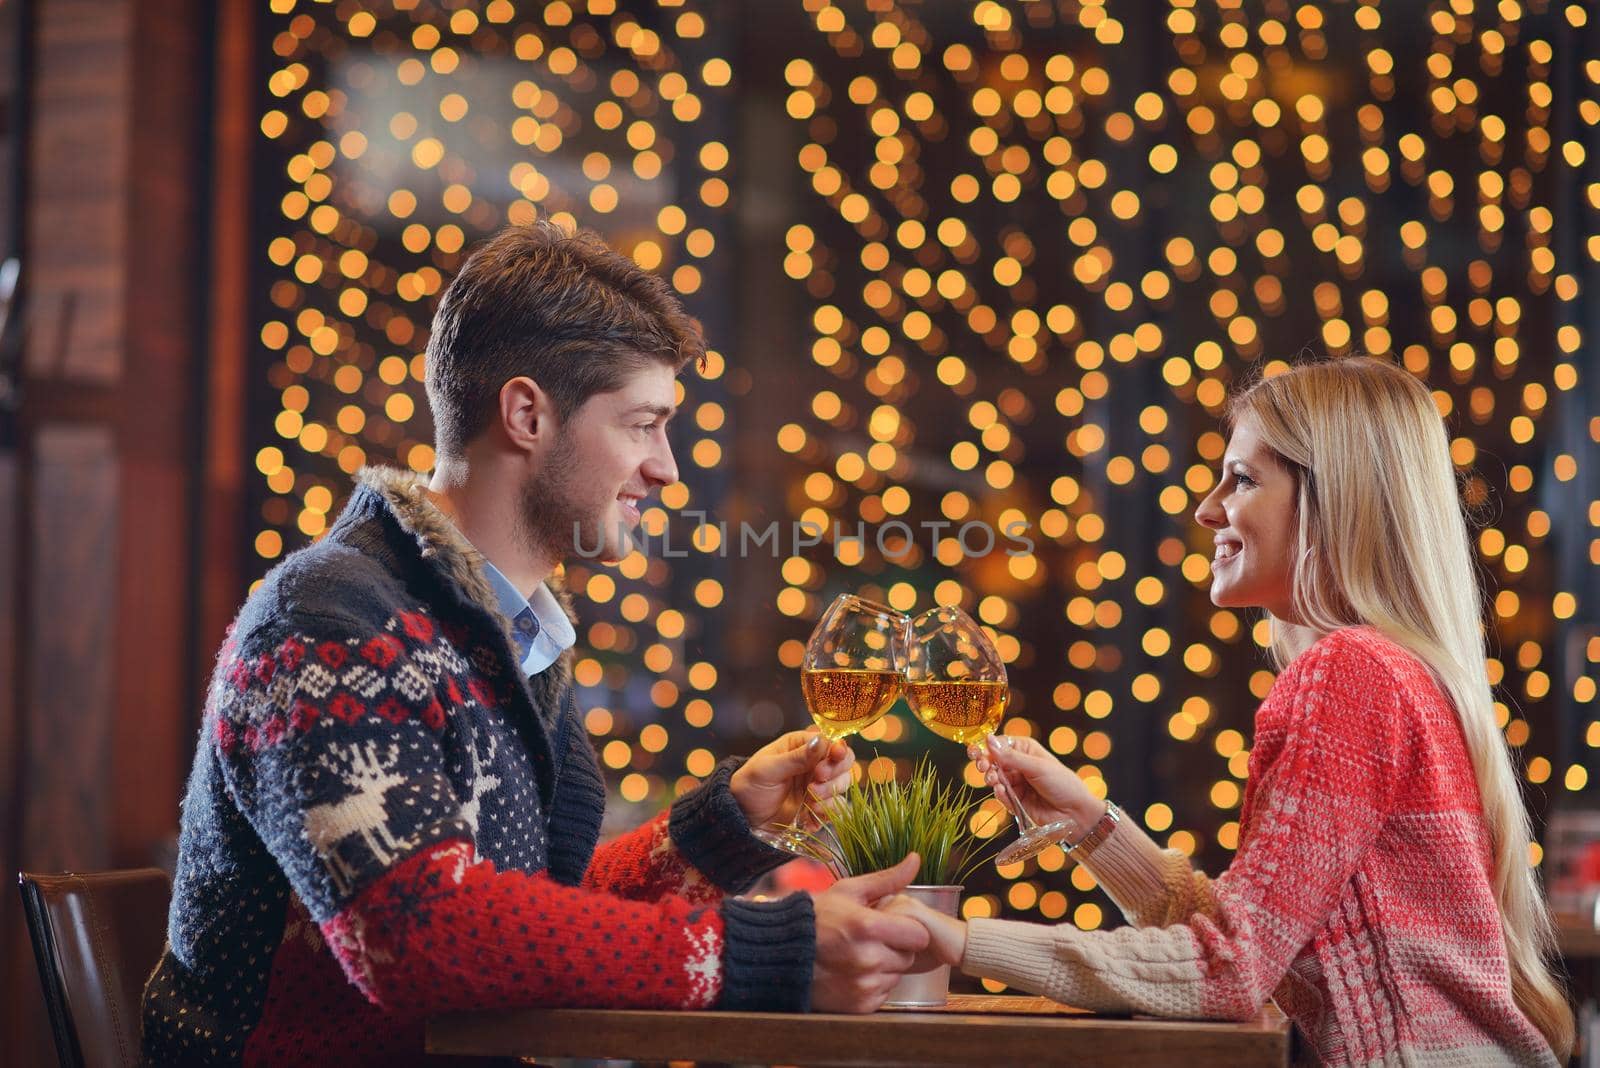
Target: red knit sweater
x=489 y=938
x=1360 y=898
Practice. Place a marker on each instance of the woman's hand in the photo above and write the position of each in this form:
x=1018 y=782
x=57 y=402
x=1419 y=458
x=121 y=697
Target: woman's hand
x=1019 y=769
x=947 y=936
x=773 y=784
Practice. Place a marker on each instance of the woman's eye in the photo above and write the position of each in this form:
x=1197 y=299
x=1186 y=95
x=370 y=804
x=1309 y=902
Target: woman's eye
x=1242 y=479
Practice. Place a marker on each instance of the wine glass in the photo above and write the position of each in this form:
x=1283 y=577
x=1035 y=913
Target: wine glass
x=956 y=685
x=852 y=672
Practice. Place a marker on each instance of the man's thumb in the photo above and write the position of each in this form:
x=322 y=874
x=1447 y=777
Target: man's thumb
x=878 y=884
x=800 y=759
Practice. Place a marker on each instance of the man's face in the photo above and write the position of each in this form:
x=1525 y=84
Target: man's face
x=611 y=453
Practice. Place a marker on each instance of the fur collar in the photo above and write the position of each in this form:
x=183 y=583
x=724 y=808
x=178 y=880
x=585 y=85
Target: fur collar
x=443 y=545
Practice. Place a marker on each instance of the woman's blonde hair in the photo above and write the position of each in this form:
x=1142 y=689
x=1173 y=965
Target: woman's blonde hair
x=1383 y=542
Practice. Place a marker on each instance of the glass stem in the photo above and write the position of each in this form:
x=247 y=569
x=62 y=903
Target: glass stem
x=1026 y=824
x=795 y=828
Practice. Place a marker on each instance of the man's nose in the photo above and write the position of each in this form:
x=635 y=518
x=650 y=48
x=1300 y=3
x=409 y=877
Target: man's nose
x=661 y=468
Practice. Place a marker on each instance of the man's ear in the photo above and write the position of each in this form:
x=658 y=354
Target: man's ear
x=527 y=416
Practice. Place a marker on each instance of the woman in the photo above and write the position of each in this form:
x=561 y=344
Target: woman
x=1381 y=891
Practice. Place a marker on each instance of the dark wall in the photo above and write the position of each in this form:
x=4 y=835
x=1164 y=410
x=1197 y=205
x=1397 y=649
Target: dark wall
x=103 y=462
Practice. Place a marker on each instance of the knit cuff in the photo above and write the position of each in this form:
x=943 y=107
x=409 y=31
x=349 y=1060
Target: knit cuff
x=709 y=828
x=769 y=948
x=1129 y=867
x=1017 y=954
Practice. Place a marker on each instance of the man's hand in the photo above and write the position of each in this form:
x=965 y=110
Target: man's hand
x=772 y=785
x=947 y=936
x=862 y=951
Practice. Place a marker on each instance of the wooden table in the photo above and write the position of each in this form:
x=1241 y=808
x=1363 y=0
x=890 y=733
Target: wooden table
x=972 y=1030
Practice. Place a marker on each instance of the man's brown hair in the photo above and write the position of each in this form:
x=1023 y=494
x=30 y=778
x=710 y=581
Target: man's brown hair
x=557 y=306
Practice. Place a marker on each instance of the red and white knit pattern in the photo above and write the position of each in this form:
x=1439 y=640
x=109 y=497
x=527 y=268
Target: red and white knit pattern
x=1360 y=897
x=443 y=930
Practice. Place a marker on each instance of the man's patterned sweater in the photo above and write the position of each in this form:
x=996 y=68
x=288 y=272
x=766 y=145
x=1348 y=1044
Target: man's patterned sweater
x=387 y=820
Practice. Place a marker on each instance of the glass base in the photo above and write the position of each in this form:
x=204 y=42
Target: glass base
x=787 y=839
x=1034 y=842
x=801 y=844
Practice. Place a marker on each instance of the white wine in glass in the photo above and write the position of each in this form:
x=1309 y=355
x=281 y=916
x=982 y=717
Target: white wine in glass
x=956 y=685
x=962 y=710
x=846 y=700
x=852 y=673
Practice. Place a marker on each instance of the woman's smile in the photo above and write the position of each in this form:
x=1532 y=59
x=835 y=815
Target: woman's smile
x=1227 y=550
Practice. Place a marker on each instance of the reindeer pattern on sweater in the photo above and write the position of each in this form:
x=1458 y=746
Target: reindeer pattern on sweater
x=387 y=820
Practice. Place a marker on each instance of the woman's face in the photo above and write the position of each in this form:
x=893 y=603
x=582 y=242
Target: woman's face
x=1252 y=513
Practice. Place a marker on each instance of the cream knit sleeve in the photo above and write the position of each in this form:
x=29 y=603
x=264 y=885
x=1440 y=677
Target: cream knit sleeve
x=1153 y=970
x=1155 y=966
x=1153 y=887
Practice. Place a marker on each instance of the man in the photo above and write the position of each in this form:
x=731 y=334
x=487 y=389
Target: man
x=394 y=807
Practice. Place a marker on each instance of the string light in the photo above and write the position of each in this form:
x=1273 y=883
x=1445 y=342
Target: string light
x=404 y=138
x=1035 y=230
x=1035 y=265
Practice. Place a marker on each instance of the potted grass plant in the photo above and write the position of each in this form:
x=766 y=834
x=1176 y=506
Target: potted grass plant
x=875 y=824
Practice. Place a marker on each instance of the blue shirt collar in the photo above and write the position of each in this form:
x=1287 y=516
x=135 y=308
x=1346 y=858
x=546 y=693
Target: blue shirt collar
x=539 y=626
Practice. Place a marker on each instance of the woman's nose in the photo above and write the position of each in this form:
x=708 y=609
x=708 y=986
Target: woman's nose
x=1210 y=514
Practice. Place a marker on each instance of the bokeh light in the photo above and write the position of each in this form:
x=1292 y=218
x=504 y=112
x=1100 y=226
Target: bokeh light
x=1034 y=247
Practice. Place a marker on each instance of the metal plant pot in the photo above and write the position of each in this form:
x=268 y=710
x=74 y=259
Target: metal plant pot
x=930 y=988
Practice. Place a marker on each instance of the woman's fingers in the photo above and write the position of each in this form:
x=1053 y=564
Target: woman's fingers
x=1038 y=776
x=1008 y=793
x=1019 y=760
x=1015 y=780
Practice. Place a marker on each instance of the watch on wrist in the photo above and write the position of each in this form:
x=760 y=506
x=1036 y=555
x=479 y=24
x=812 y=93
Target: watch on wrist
x=1080 y=850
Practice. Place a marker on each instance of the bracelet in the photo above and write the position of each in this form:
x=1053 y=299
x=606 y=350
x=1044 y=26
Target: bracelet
x=1080 y=850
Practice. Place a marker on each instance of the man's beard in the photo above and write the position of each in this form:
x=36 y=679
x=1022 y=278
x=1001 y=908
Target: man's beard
x=550 y=516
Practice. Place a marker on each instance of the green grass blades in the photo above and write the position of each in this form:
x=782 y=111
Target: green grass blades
x=877 y=824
